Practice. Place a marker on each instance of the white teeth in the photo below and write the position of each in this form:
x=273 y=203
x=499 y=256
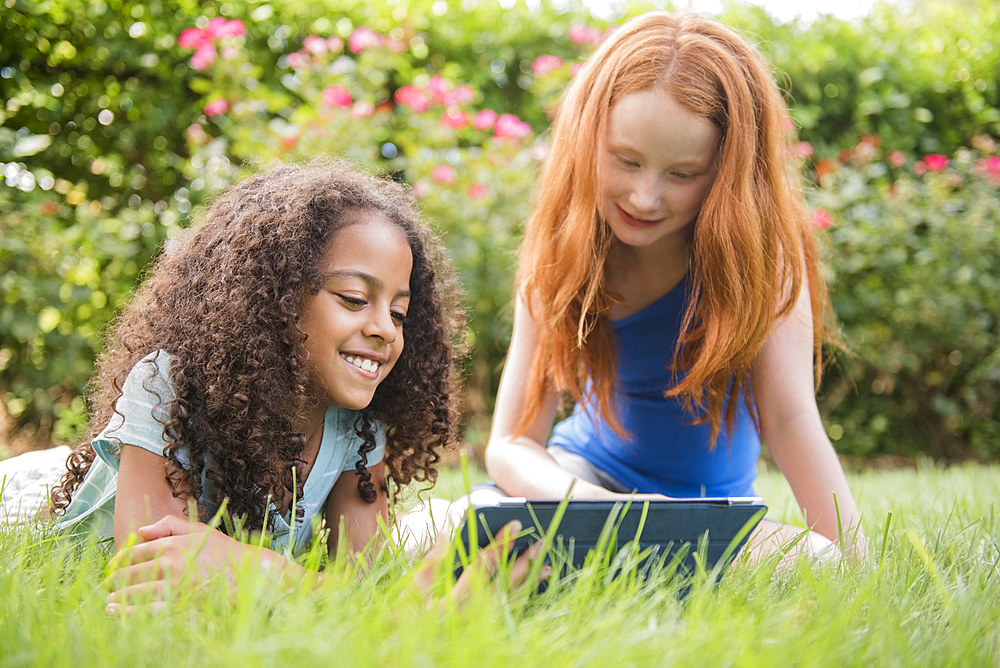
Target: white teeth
x=362 y=363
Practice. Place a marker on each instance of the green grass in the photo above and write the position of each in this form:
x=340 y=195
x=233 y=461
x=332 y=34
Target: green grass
x=930 y=597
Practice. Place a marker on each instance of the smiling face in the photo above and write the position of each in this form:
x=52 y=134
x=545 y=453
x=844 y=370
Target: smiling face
x=659 y=163
x=354 y=324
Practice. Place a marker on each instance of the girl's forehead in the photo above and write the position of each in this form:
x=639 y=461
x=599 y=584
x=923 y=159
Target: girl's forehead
x=651 y=122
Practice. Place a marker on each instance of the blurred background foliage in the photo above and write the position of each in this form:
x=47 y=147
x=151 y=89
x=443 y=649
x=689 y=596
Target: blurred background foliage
x=120 y=118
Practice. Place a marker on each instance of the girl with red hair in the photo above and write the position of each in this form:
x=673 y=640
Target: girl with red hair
x=669 y=281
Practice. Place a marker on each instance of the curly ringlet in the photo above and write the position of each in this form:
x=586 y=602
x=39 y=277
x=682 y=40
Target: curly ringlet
x=226 y=302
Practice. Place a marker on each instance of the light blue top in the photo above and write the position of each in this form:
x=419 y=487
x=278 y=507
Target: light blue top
x=667 y=454
x=138 y=421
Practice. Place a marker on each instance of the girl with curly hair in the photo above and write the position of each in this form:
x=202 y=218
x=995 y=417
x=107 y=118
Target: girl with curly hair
x=262 y=364
x=669 y=282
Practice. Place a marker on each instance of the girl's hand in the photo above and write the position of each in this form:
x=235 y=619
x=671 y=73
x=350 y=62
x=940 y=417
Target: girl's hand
x=485 y=566
x=175 y=552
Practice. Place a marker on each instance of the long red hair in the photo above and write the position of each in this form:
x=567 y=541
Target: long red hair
x=752 y=248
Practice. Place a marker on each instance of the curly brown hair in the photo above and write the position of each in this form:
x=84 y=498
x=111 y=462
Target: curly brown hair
x=226 y=304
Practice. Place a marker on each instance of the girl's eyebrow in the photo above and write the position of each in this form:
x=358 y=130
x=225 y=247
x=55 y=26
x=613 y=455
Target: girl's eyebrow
x=374 y=281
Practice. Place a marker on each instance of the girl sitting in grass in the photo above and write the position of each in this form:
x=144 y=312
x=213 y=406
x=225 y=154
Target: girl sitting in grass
x=669 y=282
x=262 y=364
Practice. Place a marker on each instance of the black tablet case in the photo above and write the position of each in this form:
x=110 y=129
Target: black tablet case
x=669 y=525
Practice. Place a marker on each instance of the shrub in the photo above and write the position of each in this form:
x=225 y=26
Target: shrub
x=916 y=287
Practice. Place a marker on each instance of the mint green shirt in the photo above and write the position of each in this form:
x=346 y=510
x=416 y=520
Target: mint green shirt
x=138 y=421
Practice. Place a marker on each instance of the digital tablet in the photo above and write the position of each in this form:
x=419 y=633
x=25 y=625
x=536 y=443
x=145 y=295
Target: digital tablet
x=669 y=532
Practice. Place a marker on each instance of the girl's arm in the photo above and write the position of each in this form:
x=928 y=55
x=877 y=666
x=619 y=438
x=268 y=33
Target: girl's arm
x=360 y=518
x=143 y=494
x=519 y=465
x=784 y=389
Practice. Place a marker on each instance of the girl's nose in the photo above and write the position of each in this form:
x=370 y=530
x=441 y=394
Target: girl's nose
x=647 y=195
x=380 y=323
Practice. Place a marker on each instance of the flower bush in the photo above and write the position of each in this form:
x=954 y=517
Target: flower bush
x=916 y=288
x=118 y=119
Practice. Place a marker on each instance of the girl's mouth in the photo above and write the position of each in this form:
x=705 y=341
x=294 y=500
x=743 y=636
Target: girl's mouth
x=633 y=221
x=367 y=367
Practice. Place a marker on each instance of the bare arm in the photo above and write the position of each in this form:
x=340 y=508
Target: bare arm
x=791 y=426
x=519 y=465
x=360 y=518
x=143 y=494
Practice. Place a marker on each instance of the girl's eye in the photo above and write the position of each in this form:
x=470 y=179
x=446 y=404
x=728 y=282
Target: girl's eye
x=352 y=301
x=685 y=176
x=628 y=163
x=399 y=317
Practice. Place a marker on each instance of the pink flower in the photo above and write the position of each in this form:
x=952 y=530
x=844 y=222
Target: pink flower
x=919 y=168
x=804 y=149
x=478 y=191
x=546 y=63
x=438 y=86
x=461 y=95
x=234 y=27
x=420 y=190
x=935 y=162
x=443 y=174
x=897 y=158
x=990 y=167
x=484 y=120
x=229 y=52
x=575 y=68
x=297 y=61
x=822 y=219
x=203 y=57
x=334 y=44
x=510 y=126
x=196 y=133
x=192 y=38
x=315 y=45
x=396 y=45
x=216 y=107
x=412 y=97
x=336 y=96
x=362 y=109
x=580 y=34
x=363 y=38
x=219 y=27
x=454 y=118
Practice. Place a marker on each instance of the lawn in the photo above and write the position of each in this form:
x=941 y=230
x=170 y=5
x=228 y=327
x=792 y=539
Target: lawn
x=929 y=597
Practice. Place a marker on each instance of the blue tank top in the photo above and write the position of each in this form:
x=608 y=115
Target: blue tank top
x=666 y=454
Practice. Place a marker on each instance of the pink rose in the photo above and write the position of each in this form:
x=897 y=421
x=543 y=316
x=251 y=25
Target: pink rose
x=546 y=63
x=362 y=109
x=822 y=219
x=336 y=96
x=575 y=68
x=461 y=95
x=234 y=27
x=334 y=44
x=216 y=28
x=203 y=57
x=420 y=190
x=484 y=120
x=438 y=86
x=315 y=45
x=216 y=107
x=804 y=149
x=196 y=133
x=297 y=61
x=919 y=168
x=443 y=174
x=990 y=167
x=935 y=162
x=510 y=126
x=412 y=97
x=478 y=191
x=454 y=118
x=363 y=38
x=192 y=38
x=579 y=34
x=897 y=158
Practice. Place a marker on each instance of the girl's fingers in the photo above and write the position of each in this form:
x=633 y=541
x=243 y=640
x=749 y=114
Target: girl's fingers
x=119 y=610
x=522 y=565
x=143 y=593
x=488 y=559
x=147 y=571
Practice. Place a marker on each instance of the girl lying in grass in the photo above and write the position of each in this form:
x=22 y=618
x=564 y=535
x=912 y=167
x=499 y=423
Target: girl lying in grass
x=262 y=363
